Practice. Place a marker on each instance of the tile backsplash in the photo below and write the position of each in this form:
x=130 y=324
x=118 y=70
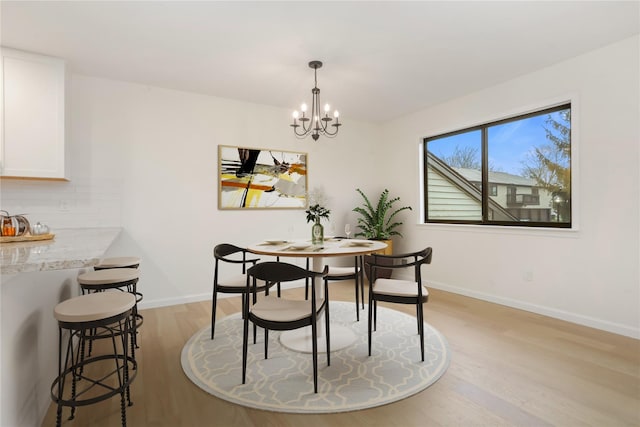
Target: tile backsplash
x=64 y=204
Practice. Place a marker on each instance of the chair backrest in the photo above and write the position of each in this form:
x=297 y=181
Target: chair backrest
x=404 y=260
x=225 y=249
x=275 y=272
x=272 y=272
x=222 y=252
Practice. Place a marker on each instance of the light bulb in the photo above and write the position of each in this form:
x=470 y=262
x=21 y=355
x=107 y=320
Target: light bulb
x=316 y=119
x=303 y=107
x=326 y=108
x=336 y=114
x=295 y=114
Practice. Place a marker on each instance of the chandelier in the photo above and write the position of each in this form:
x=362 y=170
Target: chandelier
x=315 y=124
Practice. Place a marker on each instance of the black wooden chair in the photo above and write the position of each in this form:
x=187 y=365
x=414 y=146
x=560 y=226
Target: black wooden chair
x=236 y=284
x=282 y=314
x=350 y=273
x=397 y=290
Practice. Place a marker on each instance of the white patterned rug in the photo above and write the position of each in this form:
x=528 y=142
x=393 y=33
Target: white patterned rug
x=284 y=381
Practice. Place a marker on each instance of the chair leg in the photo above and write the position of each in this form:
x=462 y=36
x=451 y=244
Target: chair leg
x=375 y=315
x=266 y=343
x=214 y=303
x=327 y=328
x=362 y=280
x=314 y=347
x=278 y=287
x=255 y=333
x=255 y=328
x=306 y=284
x=370 y=319
x=245 y=342
x=421 y=330
x=357 y=297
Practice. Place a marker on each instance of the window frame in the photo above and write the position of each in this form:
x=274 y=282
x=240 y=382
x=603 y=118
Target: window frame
x=485 y=190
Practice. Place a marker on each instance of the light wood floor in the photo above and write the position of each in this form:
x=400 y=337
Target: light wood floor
x=508 y=368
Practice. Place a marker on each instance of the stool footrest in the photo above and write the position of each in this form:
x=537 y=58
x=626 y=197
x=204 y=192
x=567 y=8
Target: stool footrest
x=131 y=367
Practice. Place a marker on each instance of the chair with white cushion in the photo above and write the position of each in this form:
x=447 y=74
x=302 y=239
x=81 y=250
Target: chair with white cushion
x=397 y=290
x=283 y=314
x=350 y=273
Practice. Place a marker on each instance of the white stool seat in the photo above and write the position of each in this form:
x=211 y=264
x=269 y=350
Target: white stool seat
x=119 y=262
x=105 y=277
x=92 y=307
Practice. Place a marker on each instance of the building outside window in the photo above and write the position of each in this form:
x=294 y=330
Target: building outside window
x=515 y=171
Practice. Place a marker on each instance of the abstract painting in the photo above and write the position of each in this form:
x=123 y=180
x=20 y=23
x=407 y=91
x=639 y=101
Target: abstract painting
x=257 y=178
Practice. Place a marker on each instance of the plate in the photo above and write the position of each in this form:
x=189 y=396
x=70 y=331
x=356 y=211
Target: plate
x=299 y=246
x=354 y=242
x=275 y=241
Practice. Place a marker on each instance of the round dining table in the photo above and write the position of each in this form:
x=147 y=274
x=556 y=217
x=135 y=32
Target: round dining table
x=341 y=336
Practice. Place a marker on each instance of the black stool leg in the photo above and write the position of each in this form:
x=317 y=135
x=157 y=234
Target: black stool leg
x=60 y=383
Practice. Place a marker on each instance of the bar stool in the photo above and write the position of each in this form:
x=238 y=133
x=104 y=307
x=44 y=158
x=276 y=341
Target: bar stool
x=124 y=279
x=123 y=262
x=110 y=313
x=118 y=262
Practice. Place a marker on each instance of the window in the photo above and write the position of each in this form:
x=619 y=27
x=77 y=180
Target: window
x=515 y=171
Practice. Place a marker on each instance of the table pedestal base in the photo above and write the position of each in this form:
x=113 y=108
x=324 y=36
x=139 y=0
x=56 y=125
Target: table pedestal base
x=300 y=339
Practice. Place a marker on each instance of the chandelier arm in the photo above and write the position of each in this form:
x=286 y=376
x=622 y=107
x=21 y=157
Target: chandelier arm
x=304 y=131
x=329 y=133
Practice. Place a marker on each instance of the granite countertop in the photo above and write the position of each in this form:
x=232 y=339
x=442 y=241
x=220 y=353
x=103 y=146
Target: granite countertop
x=70 y=248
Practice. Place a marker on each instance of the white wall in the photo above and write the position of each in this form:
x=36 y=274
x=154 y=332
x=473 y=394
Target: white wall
x=588 y=276
x=146 y=159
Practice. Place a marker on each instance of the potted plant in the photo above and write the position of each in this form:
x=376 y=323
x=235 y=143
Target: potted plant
x=378 y=222
x=315 y=213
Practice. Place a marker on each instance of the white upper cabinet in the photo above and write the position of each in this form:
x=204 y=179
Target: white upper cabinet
x=33 y=116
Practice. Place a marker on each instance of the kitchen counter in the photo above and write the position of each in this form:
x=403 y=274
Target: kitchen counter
x=70 y=248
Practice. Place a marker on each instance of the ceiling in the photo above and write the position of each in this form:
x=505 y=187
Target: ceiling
x=382 y=60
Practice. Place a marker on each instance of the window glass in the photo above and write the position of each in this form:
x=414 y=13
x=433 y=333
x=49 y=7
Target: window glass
x=454 y=168
x=523 y=162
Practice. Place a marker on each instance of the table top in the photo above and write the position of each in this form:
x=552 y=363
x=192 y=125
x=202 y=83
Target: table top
x=331 y=247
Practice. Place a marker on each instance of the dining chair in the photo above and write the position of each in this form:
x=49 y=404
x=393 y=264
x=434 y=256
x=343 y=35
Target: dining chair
x=398 y=290
x=345 y=273
x=283 y=314
x=235 y=284
x=350 y=273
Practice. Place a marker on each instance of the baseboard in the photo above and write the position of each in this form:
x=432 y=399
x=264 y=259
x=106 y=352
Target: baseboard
x=591 y=322
x=165 y=302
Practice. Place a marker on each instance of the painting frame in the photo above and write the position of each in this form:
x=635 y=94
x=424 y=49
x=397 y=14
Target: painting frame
x=255 y=178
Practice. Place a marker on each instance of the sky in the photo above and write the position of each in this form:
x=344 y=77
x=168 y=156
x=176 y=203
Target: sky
x=509 y=143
